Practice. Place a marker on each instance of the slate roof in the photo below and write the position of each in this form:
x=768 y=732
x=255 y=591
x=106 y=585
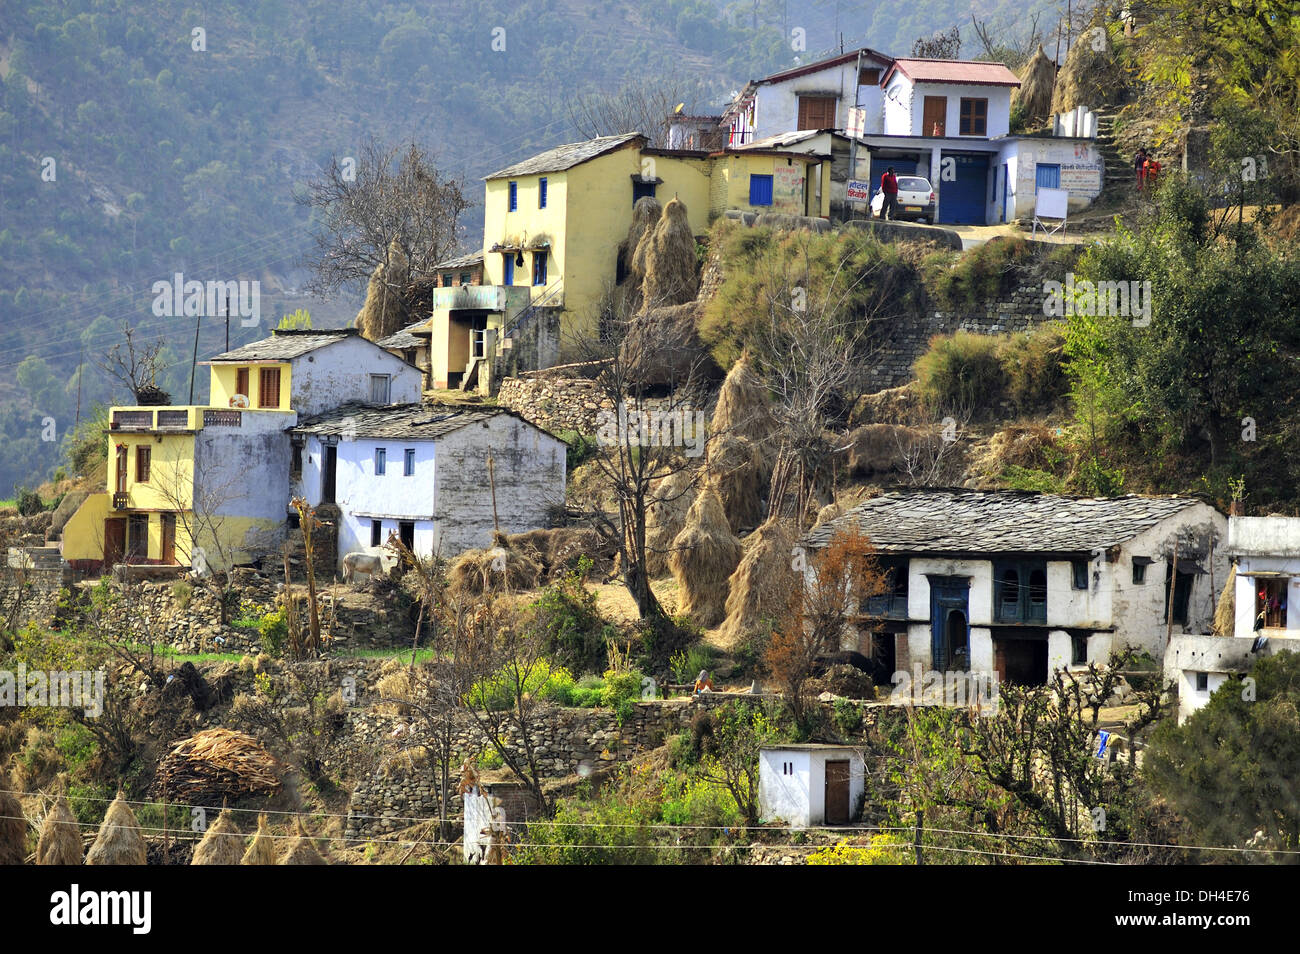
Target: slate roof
x=426 y=422
x=1002 y=521
x=405 y=338
x=971 y=72
x=567 y=156
x=461 y=261
x=286 y=345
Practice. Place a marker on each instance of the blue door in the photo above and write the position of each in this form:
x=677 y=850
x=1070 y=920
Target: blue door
x=949 y=622
x=961 y=199
x=1002 y=215
x=508 y=276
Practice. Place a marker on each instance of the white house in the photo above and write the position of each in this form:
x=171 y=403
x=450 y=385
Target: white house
x=1022 y=583
x=810 y=785
x=435 y=475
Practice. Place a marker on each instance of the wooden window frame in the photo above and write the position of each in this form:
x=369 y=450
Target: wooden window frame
x=268 y=380
x=143 y=463
x=811 y=112
x=241 y=382
x=973 y=111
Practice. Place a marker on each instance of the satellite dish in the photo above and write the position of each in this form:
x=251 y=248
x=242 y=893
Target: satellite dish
x=239 y=400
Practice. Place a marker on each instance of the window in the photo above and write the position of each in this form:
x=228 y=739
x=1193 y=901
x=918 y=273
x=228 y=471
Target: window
x=1079 y=569
x=406 y=533
x=817 y=112
x=642 y=190
x=448 y=279
x=974 y=117
x=408 y=467
x=1270 y=603
x=379 y=388
x=514 y=197
x=541 y=192
x=143 y=456
x=1140 y=564
x=137 y=537
x=1079 y=650
x=1202 y=682
x=508 y=268
x=241 y=381
x=868 y=77
x=376 y=533
x=1047 y=176
x=268 y=393
x=466 y=278
x=295 y=464
x=539 y=268
x=381 y=460
x=893 y=602
x=1182 y=593
x=1020 y=591
x=760 y=190
x=787 y=768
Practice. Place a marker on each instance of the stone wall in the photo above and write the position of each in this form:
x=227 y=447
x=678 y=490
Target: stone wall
x=555 y=403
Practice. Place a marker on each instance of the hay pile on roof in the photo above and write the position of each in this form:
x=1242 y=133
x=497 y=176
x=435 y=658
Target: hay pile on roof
x=888 y=448
x=120 y=840
x=60 y=842
x=262 y=850
x=13 y=826
x=743 y=407
x=667 y=505
x=216 y=763
x=223 y=843
x=761 y=588
x=1225 y=614
x=498 y=568
x=671 y=273
x=384 y=312
x=704 y=555
x=741 y=474
x=300 y=850
x=1034 y=95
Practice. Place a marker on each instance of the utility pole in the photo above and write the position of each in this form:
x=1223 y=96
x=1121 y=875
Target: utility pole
x=195 y=360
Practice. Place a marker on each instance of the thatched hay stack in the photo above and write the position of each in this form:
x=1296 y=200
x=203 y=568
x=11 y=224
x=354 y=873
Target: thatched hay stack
x=384 y=312
x=763 y=584
x=1225 y=623
x=13 y=826
x=1037 y=80
x=498 y=568
x=670 y=266
x=828 y=513
x=60 y=842
x=395 y=688
x=262 y=850
x=120 y=840
x=1090 y=77
x=662 y=348
x=217 y=762
x=743 y=408
x=223 y=844
x=887 y=448
x=704 y=555
x=634 y=249
x=666 y=510
x=300 y=850
x=740 y=471
x=558 y=549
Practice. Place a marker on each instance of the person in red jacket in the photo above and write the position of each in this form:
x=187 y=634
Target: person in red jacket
x=889 y=186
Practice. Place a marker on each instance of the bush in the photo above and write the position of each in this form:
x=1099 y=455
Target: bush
x=980 y=274
x=579 y=448
x=663 y=637
x=576 y=632
x=29 y=502
x=544 y=680
x=1033 y=368
x=622 y=690
x=274 y=630
x=884 y=850
x=960 y=372
x=686 y=664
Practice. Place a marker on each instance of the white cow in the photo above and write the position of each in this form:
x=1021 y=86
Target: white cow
x=357 y=562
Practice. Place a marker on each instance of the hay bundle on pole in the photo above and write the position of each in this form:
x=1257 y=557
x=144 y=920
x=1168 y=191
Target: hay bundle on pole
x=1225 y=614
x=217 y=763
x=262 y=850
x=1034 y=95
x=670 y=265
x=13 y=826
x=120 y=841
x=223 y=844
x=704 y=555
x=739 y=469
x=761 y=588
x=634 y=249
x=60 y=841
x=1090 y=77
x=743 y=408
x=300 y=850
x=666 y=510
x=384 y=311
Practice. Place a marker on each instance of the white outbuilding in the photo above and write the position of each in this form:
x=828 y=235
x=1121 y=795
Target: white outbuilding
x=810 y=785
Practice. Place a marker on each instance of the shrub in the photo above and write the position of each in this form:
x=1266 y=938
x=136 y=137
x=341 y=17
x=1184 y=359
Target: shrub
x=274 y=630
x=622 y=690
x=1033 y=368
x=29 y=502
x=960 y=372
x=884 y=850
x=576 y=632
x=579 y=448
x=686 y=664
x=979 y=274
x=543 y=679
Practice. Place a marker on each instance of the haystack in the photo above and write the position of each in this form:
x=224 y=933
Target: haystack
x=1225 y=613
x=120 y=840
x=384 y=311
x=704 y=555
x=262 y=850
x=223 y=844
x=887 y=448
x=739 y=469
x=496 y=568
x=217 y=763
x=663 y=349
x=1034 y=95
x=763 y=584
x=666 y=510
x=60 y=842
x=828 y=513
x=743 y=408
x=671 y=274
x=1090 y=77
x=300 y=850
x=13 y=826
x=558 y=549
x=634 y=249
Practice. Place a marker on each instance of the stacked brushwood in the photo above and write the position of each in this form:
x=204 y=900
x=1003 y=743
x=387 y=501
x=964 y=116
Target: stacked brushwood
x=215 y=764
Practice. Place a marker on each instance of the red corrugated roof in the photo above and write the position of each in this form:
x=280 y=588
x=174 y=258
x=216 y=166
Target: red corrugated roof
x=974 y=72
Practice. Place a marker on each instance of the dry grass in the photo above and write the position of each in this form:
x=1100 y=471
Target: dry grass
x=743 y=406
x=666 y=512
x=737 y=466
x=645 y=216
x=1225 y=619
x=120 y=840
x=763 y=583
x=217 y=762
x=670 y=265
x=495 y=569
x=704 y=555
x=300 y=850
x=262 y=850
x=886 y=448
x=222 y=844
x=13 y=826
x=384 y=312
x=60 y=841
x=1037 y=80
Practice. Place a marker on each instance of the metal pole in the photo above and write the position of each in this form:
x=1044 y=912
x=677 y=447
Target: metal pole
x=195 y=360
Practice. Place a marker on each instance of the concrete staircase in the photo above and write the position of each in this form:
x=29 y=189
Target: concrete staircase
x=1119 y=168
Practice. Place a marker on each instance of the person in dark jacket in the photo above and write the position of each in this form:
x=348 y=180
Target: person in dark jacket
x=1140 y=166
x=889 y=186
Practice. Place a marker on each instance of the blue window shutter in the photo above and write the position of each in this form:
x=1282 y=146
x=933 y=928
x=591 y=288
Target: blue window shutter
x=410 y=462
x=541 y=192
x=1047 y=176
x=539 y=268
x=514 y=196
x=509 y=260
x=381 y=455
x=760 y=190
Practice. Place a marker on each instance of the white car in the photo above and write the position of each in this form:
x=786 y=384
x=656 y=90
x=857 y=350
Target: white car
x=915 y=200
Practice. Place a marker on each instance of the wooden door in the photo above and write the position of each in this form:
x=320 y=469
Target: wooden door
x=114 y=540
x=934 y=114
x=121 y=469
x=329 y=467
x=168 y=539
x=837 y=792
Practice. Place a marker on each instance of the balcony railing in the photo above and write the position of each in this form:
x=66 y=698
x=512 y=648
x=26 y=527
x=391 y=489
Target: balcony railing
x=121 y=500
x=174 y=418
x=482 y=297
x=128 y=420
x=219 y=417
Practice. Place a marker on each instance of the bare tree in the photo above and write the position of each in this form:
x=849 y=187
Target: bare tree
x=367 y=203
x=1013 y=47
x=939 y=46
x=134 y=364
x=638 y=107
